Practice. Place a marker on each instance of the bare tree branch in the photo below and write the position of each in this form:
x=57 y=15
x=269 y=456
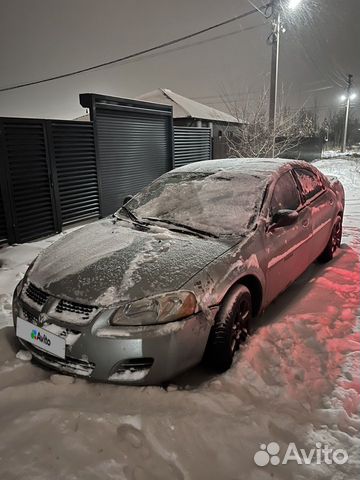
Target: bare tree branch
x=254 y=137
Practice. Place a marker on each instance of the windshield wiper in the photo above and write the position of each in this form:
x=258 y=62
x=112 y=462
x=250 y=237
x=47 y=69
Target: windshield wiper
x=183 y=226
x=130 y=214
x=132 y=217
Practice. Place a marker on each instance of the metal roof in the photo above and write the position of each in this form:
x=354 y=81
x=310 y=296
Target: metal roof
x=186 y=108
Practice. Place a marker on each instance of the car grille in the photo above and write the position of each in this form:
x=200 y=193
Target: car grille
x=29 y=315
x=36 y=295
x=64 y=310
x=79 y=310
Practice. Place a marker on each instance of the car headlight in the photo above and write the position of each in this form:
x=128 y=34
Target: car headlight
x=163 y=308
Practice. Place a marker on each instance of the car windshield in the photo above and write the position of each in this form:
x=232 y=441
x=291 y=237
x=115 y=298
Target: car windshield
x=220 y=203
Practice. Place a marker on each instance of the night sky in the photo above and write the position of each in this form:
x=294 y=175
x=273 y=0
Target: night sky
x=41 y=38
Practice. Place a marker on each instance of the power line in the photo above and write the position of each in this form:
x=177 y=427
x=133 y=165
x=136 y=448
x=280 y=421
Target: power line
x=199 y=42
x=136 y=54
x=255 y=92
x=289 y=107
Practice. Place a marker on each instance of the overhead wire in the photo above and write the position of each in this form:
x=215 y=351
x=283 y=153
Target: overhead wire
x=132 y=55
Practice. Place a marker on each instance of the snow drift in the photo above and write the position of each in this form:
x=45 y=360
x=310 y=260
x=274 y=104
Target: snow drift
x=296 y=380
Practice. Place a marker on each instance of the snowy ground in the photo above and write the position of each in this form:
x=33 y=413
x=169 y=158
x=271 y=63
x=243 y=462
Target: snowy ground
x=296 y=380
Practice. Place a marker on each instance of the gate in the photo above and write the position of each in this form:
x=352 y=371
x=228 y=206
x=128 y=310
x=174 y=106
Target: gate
x=48 y=176
x=73 y=151
x=31 y=206
x=191 y=144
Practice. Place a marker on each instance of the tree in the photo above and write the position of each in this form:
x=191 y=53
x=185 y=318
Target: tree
x=334 y=126
x=255 y=137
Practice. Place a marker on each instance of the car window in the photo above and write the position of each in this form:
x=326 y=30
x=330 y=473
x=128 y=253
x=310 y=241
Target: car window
x=310 y=184
x=219 y=202
x=285 y=194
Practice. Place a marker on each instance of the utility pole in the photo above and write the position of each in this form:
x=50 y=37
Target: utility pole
x=347 y=111
x=278 y=6
x=274 y=63
x=274 y=76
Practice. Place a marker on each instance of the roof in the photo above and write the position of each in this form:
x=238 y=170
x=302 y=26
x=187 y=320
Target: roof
x=262 y=167
x=186 y=108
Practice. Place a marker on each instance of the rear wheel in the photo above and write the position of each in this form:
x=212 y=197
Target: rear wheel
x=333 y=243
x=230 y=329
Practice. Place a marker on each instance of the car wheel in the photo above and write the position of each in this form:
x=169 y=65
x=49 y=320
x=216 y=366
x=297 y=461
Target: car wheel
x=333 y=243
x=230 y=329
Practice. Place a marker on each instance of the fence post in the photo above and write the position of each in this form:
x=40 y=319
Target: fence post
x=53 y=178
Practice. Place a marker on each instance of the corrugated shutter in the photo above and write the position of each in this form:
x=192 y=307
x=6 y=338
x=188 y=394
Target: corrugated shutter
x=28 y=177
x=75 y=160
x=134 y=148
x=3 y=230
x=191 y=144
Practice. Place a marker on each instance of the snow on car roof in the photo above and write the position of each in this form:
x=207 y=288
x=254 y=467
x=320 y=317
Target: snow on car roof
x=256 y=166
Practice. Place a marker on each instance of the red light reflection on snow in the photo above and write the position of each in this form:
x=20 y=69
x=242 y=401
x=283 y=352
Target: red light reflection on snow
x=311 y=346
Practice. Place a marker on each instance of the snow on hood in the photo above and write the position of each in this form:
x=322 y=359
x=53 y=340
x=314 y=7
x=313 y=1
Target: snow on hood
x=106 y=262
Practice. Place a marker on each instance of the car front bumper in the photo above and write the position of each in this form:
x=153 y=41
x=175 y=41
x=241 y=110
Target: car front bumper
x=143 y=355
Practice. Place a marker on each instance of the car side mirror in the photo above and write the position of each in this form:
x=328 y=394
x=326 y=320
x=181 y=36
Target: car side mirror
x=127 y=199
x=284 y=218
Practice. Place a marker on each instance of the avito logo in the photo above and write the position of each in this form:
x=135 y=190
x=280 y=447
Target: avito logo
x=36 y=335
x=270 y=453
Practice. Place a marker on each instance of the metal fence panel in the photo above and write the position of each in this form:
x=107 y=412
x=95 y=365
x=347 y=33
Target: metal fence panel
x=3 y=229
x=75 y=161
x=191 y=144
x=31 y=202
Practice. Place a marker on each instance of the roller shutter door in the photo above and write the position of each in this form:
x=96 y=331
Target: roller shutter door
x=134 y=148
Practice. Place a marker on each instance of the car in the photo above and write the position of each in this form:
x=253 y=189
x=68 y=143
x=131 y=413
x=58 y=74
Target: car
x=178 y=273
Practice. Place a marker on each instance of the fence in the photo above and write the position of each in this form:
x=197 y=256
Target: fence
x=48 y=176
x=191 y=144
x=56 y=172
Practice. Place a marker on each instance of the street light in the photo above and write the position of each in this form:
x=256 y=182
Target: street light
x=293 y=4
x=344 y=97
x=275 y=37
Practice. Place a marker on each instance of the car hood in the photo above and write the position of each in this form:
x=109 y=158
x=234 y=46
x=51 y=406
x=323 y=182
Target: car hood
x=110 y=261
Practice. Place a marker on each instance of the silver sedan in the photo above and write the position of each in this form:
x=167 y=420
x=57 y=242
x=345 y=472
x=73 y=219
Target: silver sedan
x=177 y=274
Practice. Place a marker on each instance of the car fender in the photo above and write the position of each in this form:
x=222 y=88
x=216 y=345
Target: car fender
x=210 y=288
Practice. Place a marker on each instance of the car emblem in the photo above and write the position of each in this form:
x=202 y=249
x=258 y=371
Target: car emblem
x=42 y=319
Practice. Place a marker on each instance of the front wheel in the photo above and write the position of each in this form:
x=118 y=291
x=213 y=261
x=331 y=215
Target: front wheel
x=333 y=243
x=229 y=330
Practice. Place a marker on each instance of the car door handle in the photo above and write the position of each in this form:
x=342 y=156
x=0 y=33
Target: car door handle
x=305 y=223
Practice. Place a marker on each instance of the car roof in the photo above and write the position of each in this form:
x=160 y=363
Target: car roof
x=262 y=167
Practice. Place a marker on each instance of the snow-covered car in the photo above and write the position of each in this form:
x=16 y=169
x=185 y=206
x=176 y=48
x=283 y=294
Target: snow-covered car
x=179 y=271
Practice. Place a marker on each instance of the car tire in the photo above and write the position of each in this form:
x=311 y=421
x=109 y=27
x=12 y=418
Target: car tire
x=333 y=243
x=229 y=330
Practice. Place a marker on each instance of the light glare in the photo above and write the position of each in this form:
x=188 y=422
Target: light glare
x=352 y=96
x=294 y=4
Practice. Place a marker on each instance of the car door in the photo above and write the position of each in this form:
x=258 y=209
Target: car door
x=322 y=206
x=286 y=247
